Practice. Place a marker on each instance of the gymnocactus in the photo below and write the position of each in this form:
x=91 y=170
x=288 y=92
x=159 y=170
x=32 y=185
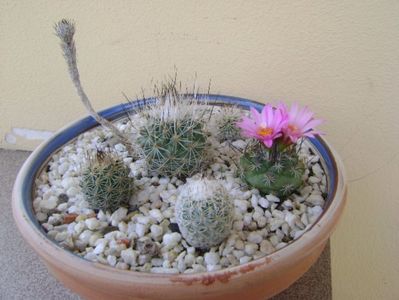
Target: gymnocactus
x=105 y=182
x=204 y=213
x=173 y=139
x=280 y=177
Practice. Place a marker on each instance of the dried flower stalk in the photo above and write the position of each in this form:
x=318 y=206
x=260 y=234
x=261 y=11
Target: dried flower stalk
x=65 y=30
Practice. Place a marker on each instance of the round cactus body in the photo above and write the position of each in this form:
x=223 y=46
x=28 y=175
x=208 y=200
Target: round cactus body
x=174 y=148
x=227 y=129
x=281 y=178
x=106 y=184
x=204 y=213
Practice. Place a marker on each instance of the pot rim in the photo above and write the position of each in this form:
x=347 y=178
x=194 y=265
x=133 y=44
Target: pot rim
x=30 y=228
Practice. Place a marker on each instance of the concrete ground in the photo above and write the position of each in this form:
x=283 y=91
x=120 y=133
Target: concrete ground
x=23 y=275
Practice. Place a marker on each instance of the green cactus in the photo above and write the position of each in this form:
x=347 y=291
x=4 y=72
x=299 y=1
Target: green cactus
x=173 y=140
x=227 y=129
x=105 y=182
x=281 y=177
x=204 y=213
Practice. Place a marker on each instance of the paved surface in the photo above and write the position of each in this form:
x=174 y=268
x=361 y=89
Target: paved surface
x=23 y=275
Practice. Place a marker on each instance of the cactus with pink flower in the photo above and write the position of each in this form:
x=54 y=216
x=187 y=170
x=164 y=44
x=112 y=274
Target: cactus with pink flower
x=271 y=163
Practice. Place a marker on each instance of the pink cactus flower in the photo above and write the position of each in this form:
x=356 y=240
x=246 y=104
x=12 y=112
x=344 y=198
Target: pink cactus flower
x=300 y=122
x=266 y=126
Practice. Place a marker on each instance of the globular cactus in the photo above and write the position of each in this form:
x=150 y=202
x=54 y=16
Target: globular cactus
x=281 y=177
x=105 y=182
x=227 y=128
x=204 y=213
x=173 y=139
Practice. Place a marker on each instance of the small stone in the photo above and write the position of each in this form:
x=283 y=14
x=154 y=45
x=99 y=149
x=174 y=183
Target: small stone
x=211 y=258
x=69 y=218
x=157 y=215
x=111 y=260
x=291 y=219
x=126 y=242
x=272 y=198
x=100 y=247
x=171 y=240
x=72 y=191
x=122 y=266
x=189 y=259
x=241 y=204
x=238 y=253
x=129 y=256
x=266 y=247
x=245 y=259
x=198 y=268
x=92 y=223
x=164 y=270
x=314 y=179
x=251 y=248
x=255 y=237
x=140 y=229
x=63 y=198
x=263 y=202
x=211 y=268
x=156 y=230
x=118 y=215
x=146 y=246
x=239 y=245
x=315 y=200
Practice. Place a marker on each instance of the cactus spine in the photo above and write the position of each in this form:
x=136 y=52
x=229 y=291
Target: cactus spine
x=281 y=176
x=173 y=139
x=105 y=182
x=204 y=213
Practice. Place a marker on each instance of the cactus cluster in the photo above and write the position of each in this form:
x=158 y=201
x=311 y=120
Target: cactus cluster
x=280 y=177
x=204 y=213
x=105 y=182
x=173 y=139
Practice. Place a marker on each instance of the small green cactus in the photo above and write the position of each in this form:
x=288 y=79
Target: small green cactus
x=173 y=139
x=174 y=148
x=105 y=182
x=227 y=128
x=204 y=213
x=281 y=177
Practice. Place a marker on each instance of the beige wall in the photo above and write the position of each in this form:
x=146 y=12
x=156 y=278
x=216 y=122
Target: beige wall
x=340 y=57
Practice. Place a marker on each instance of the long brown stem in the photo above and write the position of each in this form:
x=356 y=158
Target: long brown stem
x=65 y=30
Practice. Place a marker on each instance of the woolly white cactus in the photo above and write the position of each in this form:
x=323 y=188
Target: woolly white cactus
x=204 y=213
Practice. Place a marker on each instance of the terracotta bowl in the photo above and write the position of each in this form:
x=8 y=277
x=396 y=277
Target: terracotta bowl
x=258 y=279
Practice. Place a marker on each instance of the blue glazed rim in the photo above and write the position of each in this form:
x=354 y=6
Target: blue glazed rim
x=67 y=134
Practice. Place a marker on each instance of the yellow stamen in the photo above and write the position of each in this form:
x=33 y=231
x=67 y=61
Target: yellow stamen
x=292 y=128
x=264 y=131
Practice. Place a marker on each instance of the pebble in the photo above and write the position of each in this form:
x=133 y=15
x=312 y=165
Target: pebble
x=118 y=216
x=129 y=256
x=171 y=240
x=266 y=247
x=156 y=231
x=254 y=237
x=263 y=202
x=92 y=223
x=140 y=229
x=164 y=270
x=211 y=258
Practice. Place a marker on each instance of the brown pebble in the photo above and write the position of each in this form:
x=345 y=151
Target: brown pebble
x=69 y=218
x=123 y=241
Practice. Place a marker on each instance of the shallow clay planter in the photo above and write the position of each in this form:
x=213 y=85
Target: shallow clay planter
x=257 y=279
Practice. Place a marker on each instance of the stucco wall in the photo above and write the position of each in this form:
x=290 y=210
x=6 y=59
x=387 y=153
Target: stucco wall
x=339 y=57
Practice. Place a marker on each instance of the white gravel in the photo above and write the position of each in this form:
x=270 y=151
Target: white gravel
x=261 y=225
